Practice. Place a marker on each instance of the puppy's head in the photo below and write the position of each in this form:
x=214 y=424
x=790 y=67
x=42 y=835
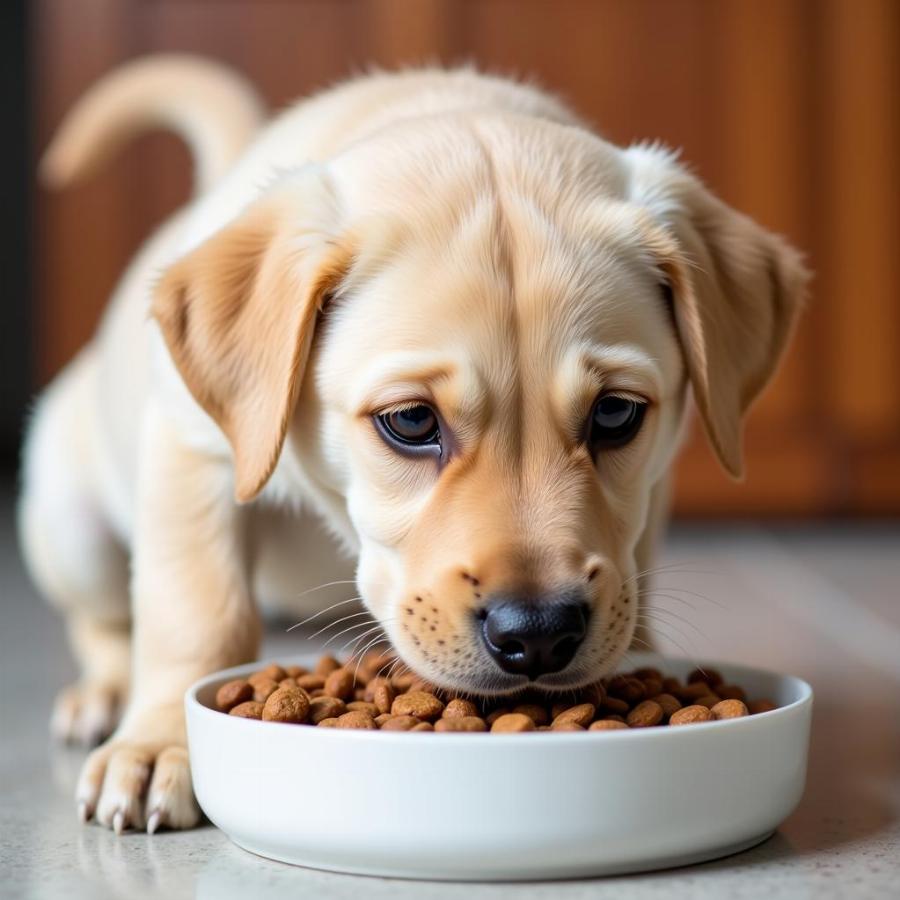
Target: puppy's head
x=507 y=316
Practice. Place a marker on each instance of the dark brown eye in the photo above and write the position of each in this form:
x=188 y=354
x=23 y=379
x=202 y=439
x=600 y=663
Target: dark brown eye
x=414 y=426
x=614 y=422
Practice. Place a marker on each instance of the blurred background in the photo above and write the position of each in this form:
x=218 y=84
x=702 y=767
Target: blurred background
x=789 y=109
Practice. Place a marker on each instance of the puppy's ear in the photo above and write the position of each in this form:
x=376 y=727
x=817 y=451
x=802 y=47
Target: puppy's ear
x=736 y=291
x=238 y=315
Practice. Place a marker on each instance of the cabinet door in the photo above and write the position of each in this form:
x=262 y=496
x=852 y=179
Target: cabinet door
x=789 y=109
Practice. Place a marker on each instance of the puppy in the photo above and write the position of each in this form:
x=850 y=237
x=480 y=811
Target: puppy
x=430 y=308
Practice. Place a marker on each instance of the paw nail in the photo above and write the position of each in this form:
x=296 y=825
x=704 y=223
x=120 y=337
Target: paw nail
x=153 y=822
x=118 y=822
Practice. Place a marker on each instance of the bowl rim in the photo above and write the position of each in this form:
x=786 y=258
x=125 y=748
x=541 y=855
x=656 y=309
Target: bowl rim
x=197 y=710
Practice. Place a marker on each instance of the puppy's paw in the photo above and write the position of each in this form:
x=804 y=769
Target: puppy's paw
x=134 y=784
x=86 y=712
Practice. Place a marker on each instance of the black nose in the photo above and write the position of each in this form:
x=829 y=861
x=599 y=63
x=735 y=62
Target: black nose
x=534 y=637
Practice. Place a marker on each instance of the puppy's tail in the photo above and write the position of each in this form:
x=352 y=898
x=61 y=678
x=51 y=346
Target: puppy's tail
x=210 y=106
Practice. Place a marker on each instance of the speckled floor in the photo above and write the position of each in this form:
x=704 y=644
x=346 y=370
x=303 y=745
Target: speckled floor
x=821 y=603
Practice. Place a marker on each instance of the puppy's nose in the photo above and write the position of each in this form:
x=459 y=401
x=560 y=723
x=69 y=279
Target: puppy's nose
x=534 y=637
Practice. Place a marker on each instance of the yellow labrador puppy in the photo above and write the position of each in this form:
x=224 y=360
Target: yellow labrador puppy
x=436 y=311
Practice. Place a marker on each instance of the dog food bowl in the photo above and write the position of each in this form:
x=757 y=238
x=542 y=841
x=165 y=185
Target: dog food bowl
x=502 y=807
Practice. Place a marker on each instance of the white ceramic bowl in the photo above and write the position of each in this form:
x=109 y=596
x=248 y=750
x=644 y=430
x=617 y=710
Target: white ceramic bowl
x=511 y=806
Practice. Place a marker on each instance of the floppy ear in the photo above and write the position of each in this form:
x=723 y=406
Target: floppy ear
x=736 y=291
x=238 y=315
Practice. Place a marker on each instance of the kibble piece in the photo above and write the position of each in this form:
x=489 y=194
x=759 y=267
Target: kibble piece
x=264 y=688
x=325 y=708
x=593 y=693
x=232 y=693
x=315 y=692
x=708 y=700
x=607 y=725
x=275 y=672
x=729 y=709
x=712 y=677
x=731 y=692
x=295 y=671
x=400 y=723
x=356 y=718
x=512 y=722
x=582 y=714
x=403 y=681
x=613 y=718
x=760 y=706
x=423 y=726
x=257 y=677
x=538 y=714
x=384 y=717
x=249 y=709
x=339 y=683
x=567 y=726
x=626 y=688
x=671 y=685
x=357 y=705
x=328 y=723
x=372 y=685
x=615 y=705
x=458 y=708
x=461 y=723
x=383 y=697
x=691 y=715
x=652 y=687
x=326 y=665
x=311 y=682
x=649 y=672
x=426 y=687
x=668 y=703
x=691 y=692
x=420 y=704
x=287 y=682
x=495 y=714
x=645 y=715
x=286 y=705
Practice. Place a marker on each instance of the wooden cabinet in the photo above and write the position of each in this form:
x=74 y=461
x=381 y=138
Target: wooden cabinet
x=789 y=109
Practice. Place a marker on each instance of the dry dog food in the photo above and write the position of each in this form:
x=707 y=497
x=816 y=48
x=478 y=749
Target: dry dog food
x=367 y=695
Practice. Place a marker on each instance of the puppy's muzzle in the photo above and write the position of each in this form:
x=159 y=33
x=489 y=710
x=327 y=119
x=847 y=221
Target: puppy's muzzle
x=534 y=637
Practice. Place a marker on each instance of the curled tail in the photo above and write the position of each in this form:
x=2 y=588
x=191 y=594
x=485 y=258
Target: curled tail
x=216 y=111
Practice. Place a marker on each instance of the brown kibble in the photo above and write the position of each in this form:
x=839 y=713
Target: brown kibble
x=712 y=677
x=626 y=688
x=613 y=718
x=458 y=708
x=362 y=705
x=250 y=709
x=460 y=723
x=538 y=714
x=356 y=718
x=668 y=703
x=512 y=722
x=755 y=707
x=275 y=672
x=648 y=672
x=593 y=693
x=232 y=693
x=691 y=715
x=256 y=677
x=286 y=705
x=567 y=726
x=689 y=693
x=328 y=723
x=311 y=682
x=731 y=692
x=615 y=705
x=582 y=714
x=423 y=686
x=295 y=671
x=607 y=725
x=708 y=700
x=400 y=723
x=384 y=717
x=730 y=709
x=315 y=692
x=652 y=687
x=495 y=714
x=339 y=683
x=645 y=715
x=383 y=697
x=420 y=704
x=326 y=665
x=325 y=707
x=403 y=682
x=287 y=682
x=264 y=688
x=423 y=726
x=372 y=685
x=671 y=685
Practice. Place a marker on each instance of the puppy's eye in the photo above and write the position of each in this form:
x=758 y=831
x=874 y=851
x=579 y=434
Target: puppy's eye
x=414 y=426
x=614 y=422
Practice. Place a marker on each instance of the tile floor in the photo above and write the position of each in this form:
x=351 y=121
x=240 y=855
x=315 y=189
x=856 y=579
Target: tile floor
x=821 y=603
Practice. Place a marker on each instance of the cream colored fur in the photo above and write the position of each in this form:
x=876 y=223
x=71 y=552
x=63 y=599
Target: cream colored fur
x=429 y=235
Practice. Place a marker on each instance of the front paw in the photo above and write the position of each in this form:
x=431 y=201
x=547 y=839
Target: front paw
x=140 y=779
x=86 y=712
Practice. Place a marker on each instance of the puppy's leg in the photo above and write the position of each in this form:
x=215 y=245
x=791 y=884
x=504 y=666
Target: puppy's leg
x=74 y=556
x=192 y=614
x=645 y=553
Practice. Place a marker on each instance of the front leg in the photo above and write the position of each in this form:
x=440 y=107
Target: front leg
x=192 y=614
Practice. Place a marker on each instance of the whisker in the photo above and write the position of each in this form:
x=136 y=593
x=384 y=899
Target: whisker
x=321 y=587
x=349 y=628
x=660 y=621
x=643 y=595
x=337 y=622
x=720 y=603
x=674 y=615
x=322 y=612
